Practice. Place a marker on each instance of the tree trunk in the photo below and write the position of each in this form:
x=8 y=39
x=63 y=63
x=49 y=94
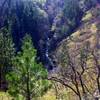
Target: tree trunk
x=28 y=95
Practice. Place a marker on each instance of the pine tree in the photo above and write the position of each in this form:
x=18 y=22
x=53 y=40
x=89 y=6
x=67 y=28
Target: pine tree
x=6 y=56
x=72 y=12
x=28 y=76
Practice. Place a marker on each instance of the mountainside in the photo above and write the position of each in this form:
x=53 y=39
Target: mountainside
x=77 y=58
x=87 y=33
x=48 y=22
x=50 y=49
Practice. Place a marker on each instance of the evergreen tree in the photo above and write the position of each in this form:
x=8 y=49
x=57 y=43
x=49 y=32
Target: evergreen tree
x=28 y=77
x=6 y=55
x=89 y=3
x=72 y=12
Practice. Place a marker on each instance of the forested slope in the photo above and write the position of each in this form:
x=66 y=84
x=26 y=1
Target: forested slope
x=50 y=49
x=48 y=22
x=78 y=56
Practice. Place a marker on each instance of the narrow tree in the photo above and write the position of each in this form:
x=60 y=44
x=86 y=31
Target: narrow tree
x=6 y=56
x=28 y=77
x=72 y=12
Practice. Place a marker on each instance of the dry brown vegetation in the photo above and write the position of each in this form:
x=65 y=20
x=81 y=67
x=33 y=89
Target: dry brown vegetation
x=78 y=59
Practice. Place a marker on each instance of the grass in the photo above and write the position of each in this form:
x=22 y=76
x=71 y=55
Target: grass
x=87 y=17
x=4 y=96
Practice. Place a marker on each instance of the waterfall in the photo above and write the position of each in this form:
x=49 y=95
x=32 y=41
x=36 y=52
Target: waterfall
x=49 y=61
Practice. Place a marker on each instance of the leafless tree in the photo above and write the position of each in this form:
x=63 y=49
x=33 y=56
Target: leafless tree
x=72 y=70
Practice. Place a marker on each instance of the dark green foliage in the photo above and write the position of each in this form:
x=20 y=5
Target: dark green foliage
x=67 y=21
x=28 y=77
x=6 y=55
x=72 y=12
x=28 y=17
x=90 y=3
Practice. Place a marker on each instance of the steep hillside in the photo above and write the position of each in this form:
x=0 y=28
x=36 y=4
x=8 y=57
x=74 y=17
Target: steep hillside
x=78 y=57
x=48 y=22
x=88 y=32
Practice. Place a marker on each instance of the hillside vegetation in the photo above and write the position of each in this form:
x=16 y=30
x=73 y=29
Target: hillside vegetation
x=88 y=31
x=49 y=49
x=84 y=42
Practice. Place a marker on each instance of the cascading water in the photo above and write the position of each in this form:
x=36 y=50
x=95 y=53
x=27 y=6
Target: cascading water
x=48 y=60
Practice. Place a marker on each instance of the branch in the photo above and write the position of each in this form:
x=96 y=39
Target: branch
x=62 y=82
